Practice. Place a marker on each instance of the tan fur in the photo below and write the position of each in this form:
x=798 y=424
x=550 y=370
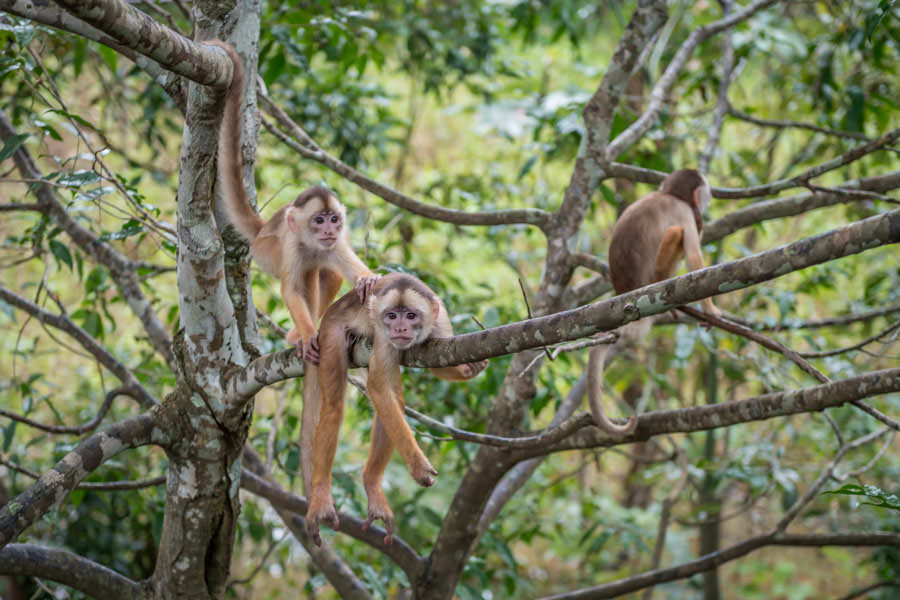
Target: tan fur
x=648 y=241
x=285 y=246
x=351 y=317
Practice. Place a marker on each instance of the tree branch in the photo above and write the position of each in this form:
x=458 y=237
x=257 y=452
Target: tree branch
x=399 y=551
x=716 y=559
x=133 y=29
x=307 y=148
x=72 y=570
x=77 y=429
x=607 y=314
x=55 y=485
x=101 y=354
x=52 y=16
x=757 y=408
x=663 y=87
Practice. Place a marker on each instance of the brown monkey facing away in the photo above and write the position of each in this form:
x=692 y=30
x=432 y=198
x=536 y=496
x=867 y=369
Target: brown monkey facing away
x=305 y=243
x=400 y=312
x=647 y=243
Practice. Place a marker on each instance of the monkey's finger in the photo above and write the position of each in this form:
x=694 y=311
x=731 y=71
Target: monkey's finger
x=313 y=530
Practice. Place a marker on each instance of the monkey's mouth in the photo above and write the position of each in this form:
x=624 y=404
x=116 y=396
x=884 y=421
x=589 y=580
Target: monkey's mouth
x=401 y=341
x=327 y=241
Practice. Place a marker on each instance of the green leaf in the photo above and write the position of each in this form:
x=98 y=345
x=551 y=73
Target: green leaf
x=11 y=145
x=292 y=462
x=881 y=498
x=61 y=252
x=526 y=168
x=8 y=433
x=95 y=280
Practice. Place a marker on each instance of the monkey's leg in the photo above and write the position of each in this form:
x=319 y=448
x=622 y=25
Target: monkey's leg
x=669 y=253
x=694 y=259
x=379 y=456
x=304 y=329
x=383 y=387
x=332 y=383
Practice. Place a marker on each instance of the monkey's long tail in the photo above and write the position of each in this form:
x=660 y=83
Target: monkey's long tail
x=241 y=215
x=596 y=360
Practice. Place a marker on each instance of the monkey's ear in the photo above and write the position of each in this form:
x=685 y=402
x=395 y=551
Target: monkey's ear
x=290 y=217
x=698 y=196
x=436 y=306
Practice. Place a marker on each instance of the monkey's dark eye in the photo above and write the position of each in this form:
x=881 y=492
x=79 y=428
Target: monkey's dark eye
x=335 y=219
x=391 y=316
x=412 y=316
x=319 y=220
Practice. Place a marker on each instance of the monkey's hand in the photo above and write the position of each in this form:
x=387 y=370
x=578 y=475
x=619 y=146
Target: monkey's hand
x=474 y=368
x=309 y=351
x=321 y=510
x=422 y=471
x=380 y=509
x=364 y=285
x=712 y=310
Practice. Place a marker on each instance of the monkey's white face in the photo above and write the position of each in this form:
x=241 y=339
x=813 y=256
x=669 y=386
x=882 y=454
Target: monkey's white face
x=326 y=227
x=404 y=326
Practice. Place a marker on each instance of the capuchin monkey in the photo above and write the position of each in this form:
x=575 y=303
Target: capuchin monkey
x=399 y=313
x=647 y=244
x=305 y=243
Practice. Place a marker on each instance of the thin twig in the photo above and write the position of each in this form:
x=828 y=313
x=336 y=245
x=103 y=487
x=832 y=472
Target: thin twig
x=530 y=315
x=865 y=342
x=76 y=429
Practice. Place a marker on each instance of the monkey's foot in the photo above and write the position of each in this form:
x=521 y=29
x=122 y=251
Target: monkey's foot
x=364 y=285
x=320 y=511
x=422 y=471
x=380 y=509
x=474 y=368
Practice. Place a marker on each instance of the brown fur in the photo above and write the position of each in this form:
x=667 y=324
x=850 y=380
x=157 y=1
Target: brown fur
x=346 y=318
x=647 y=244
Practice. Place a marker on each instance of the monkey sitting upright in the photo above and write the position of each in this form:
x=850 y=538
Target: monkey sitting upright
x=400 y=312
x=305 y=243
x=648 y=241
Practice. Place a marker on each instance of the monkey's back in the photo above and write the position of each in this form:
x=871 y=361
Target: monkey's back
x=637 y=235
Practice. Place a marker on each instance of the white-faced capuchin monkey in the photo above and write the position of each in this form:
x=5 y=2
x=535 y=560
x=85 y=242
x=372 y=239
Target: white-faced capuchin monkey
x=399 y=313
x=647 y=243
x=305 y=243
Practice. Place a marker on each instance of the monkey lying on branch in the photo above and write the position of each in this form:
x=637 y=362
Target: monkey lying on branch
x=399 y=313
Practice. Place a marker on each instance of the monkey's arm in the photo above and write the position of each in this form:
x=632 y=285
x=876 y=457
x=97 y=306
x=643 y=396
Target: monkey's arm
x=694 y=259
x=443 y=328
x=386 y=395
x=354 y=270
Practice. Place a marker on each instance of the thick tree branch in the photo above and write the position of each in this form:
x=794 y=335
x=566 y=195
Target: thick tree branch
x=714 y=416
x=711 y=561
x=666 y=82
x=399 y=551
x=51 y=15
x=121 y=269
x=72 y=570
x=335 y=569
x=307 y=148
x=133 y=29
x=607 y=314
x=55 y=485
